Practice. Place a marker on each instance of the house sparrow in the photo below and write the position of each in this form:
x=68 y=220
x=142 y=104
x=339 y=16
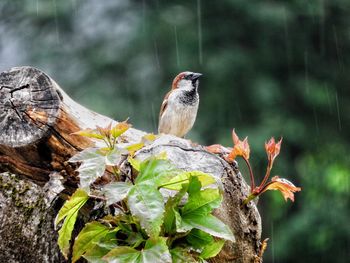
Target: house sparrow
x=179 y=108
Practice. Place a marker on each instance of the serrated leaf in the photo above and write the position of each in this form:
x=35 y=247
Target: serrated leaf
x=205 y=199
x=211 y=250
x=147 y=204
x=196 y=212
x=207 y=223
x=149 y=137
x=155 y=251
x=100 y=249
x=156 y=170
x=194 y=185
x=286 y=188
x=171 y=207
x=90 y=133
x=180 y=255
x=120 y=128
x=116 y=191
x=132 y=148
x=176 y=182
x=123 y=254
x=92 y=166
x=91 y=233
x=69 y=213
x=169 y=217
x=199 y=239
x=136 y=164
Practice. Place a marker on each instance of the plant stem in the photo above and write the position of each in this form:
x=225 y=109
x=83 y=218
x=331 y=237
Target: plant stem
x=249 y=198
x=267 y=175
x=252 y=182
x=180 y=181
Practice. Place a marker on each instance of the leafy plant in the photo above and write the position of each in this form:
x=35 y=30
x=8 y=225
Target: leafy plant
x=242 y=148
x=158 y=212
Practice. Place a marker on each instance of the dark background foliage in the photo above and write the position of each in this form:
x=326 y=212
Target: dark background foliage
x=271 y=68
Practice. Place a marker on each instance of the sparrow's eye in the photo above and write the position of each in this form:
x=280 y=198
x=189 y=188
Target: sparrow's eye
x=189 y=76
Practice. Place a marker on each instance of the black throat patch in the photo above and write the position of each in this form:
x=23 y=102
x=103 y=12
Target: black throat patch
x=189 y=97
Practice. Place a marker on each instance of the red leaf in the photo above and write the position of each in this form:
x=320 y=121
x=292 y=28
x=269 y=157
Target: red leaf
x=284 y=186
x=241 y=148
x=272 y=148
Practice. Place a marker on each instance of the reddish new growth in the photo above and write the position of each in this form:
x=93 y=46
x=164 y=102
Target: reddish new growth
x=241 y=148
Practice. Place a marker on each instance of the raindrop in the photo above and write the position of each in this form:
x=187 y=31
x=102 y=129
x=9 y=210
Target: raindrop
x=156 y=54
x=286 y=38
x=37 y=7
x=74 y=6
x=338 y=112
x=177 y=48
x=328 y=99
x=56 y=21
x=322 y=27
x=200 y=42
x=339 y=57
x=316 y=120
x=306 y=71
x=143 y=15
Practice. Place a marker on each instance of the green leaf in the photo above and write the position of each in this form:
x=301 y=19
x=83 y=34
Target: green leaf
x=207 y=199
x=194 y=185
x=199 y=239
x=171 y=207
x=100 y=249
x=134 y=239
x=116 y=191
x=169 y=217
x=181 y=255
x=176 y=182
x=155 y=251
x=91 y=233
x=90 y=134
x=136 y=164
x=69 y=213
x=207 y=223
x=119 y=129
x=147 y=204
x=93 y=165
x=158 y=171
x=211 y=250
x=123 y=254
x=132 y=148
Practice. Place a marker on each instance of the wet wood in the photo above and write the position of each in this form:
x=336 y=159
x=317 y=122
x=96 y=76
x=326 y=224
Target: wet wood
x=37 y=119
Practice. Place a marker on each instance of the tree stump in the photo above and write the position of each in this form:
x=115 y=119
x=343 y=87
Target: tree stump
x=37 y=119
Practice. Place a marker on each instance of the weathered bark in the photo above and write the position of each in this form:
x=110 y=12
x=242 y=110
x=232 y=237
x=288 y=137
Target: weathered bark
x=37 y=120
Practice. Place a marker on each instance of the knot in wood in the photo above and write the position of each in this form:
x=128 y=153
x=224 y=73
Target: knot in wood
x=29 y=105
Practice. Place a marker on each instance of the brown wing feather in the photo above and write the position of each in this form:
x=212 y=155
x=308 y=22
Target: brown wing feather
x=164 y=104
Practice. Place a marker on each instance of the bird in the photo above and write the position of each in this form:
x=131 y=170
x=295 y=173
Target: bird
x=180 y=105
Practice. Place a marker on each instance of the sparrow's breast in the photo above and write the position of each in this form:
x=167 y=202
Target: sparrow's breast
x=179 y=116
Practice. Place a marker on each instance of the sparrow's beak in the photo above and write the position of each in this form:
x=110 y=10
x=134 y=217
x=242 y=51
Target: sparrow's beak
x=196 y=76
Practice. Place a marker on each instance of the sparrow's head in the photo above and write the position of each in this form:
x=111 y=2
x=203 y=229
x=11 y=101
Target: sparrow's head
x=186 y=80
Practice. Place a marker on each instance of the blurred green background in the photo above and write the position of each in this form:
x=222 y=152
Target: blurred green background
x=271 y=68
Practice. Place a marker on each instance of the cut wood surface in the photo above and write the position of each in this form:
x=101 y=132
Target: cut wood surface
x=37 y=119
